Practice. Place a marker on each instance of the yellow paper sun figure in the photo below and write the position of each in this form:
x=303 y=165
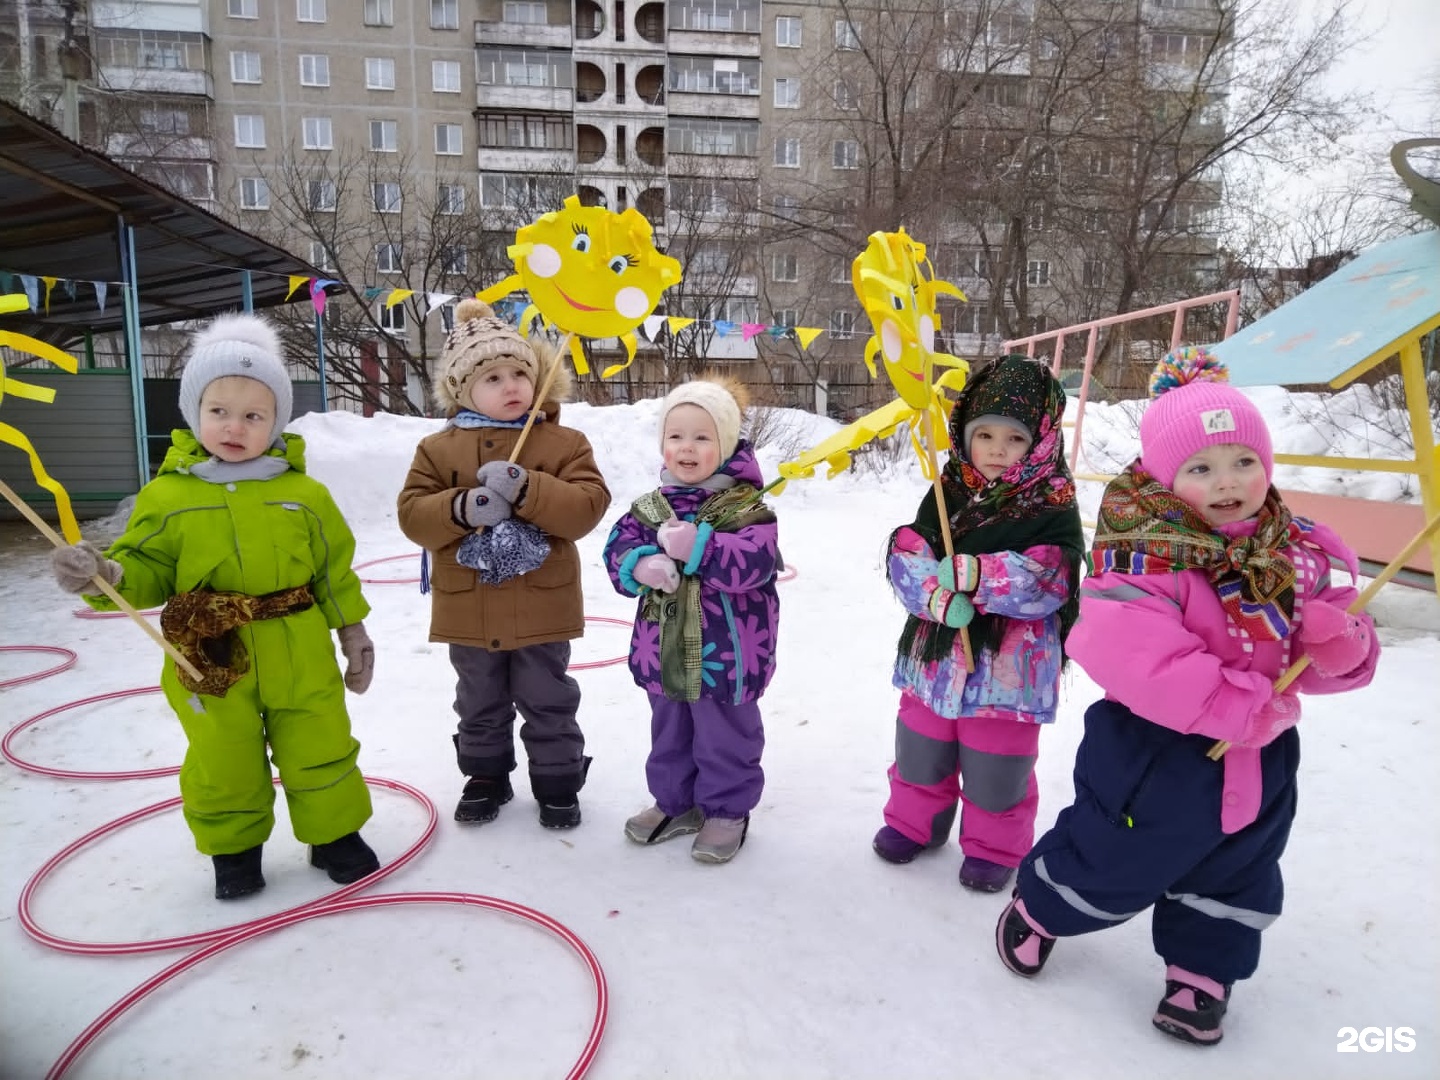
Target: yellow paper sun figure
x=589 y=271
x=897 y=288
x=15 y=388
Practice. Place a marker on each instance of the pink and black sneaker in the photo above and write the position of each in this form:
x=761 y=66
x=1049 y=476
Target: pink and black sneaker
x=1022 y=945
x=1192 y=1008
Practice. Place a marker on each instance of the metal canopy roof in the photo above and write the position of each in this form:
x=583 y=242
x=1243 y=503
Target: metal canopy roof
x=61 y=209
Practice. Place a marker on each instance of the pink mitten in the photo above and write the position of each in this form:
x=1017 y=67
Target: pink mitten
x=1271 y=720
x=677 y=538
x=658 y=571
x=1336 y=641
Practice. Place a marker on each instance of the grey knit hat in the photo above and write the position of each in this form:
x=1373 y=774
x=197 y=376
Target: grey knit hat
x=243 y=345
x=479 y=339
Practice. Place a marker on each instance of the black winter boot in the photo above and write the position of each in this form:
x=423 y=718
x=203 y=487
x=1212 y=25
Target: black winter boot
x=482 y=798
x=558 y=797
x=239 y=874
x=348 y=859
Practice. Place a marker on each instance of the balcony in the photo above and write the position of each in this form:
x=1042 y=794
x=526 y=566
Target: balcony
x=157 y=80
x=547 y=98
x=522 y=160
x=528 y=35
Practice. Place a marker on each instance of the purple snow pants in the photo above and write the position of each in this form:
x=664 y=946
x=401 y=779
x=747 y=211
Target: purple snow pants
x=705 y=754
x=995 y=756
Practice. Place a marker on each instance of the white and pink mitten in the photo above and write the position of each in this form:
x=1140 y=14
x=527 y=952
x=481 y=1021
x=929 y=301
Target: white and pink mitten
x=677 y=538
x=1270 y=721
x=658 y=571
x=1336 y=641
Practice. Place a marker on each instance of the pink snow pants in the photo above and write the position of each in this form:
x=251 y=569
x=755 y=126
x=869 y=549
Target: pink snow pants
x=995 y=756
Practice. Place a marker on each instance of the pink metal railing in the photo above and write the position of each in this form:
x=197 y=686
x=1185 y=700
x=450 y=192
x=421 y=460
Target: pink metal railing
x=1179 y=307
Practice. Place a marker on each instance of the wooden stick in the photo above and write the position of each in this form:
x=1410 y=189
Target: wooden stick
x=105 y=587
x=537 y=406
x=1216 y=752
x=928 y=429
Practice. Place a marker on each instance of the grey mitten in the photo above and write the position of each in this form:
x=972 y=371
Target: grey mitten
x=505 y=478
x=480 y=507
x=359 y=653
x=74 y=567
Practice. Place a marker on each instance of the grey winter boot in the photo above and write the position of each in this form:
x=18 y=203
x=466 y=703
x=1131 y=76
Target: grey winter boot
x=720 y=839
x=654 y=826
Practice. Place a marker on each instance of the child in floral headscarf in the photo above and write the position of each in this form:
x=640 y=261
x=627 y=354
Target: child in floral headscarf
x=1206 y=589
x=1010 y=501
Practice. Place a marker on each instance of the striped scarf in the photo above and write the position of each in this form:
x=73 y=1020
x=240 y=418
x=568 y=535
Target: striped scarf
x=1145 y=528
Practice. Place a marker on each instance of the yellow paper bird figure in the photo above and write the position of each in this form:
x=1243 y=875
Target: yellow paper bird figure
x=898 y=289
x=15 y=388
x=589 y=271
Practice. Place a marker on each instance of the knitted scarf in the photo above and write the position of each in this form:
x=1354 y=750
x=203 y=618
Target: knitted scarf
x=1032 y=503
x=679 y=615
x=1145 y=528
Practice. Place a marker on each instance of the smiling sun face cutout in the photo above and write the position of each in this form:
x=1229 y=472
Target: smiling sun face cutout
x=897 y=288
x=591 y=272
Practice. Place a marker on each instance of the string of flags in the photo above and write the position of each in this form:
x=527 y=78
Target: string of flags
x=40 y=288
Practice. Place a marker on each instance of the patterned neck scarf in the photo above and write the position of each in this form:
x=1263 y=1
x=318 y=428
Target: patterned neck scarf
x=1145 y=528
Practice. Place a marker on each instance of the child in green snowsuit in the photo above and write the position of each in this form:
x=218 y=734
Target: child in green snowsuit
x=251 y=558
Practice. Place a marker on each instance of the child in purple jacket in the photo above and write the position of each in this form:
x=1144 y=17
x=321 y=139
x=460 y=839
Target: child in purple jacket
x=1205 y=590
x=1010 y=503
x=701 y=553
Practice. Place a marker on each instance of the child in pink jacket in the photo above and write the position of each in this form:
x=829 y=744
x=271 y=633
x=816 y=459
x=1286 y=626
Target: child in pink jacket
x=1205 y=590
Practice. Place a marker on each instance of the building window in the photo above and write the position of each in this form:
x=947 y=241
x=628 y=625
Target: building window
x=787 y=93
x=320 y=256
x=310 y=10
x=243 y=9
x=1094 y=221
x=1037 y=272
x=1107 y=44
x=787 y=153
x=786 y=207
x=523 y=67
x=379 y=12
x=316 y=134
x=321 y=195
x=1010 y=93
x=379 y=73
x=445 y=76
x=711 y=75
x=1102 y=163
x=842 y=324
x=529 y=131
x=1092 y=274
x=524 y=12
x=454 y=260
x=254 y=193
x=383 y=136
x=391 y=318
x=847 y=35
x=845 y=96
x=164 y=122
x=447 y=317
x=788 y=318
x=787 y=32
x=784 y=266
x=244 y=67
x=847 y=211
x=386 y=196
x=1189 y=50
x=444 y=14
x=717 y=138
x=845 y=154
x=448 y=139
x=840 y=272
x=450 y=198
x=250 y=132
x=1037 y=218
x=388 y=258
x=314 y=69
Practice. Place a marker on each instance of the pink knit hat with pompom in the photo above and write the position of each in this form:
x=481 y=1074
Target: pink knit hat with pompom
x=1194 y=407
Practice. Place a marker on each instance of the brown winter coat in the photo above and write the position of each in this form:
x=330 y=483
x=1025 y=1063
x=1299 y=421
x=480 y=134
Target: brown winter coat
x=566 y=497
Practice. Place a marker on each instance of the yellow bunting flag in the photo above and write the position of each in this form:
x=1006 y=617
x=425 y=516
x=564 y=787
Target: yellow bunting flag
x=807 y=334
x=676 y=323
x=296 y=280
x=397 y=295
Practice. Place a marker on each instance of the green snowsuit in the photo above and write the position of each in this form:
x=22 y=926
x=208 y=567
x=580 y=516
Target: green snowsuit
x=255 y=537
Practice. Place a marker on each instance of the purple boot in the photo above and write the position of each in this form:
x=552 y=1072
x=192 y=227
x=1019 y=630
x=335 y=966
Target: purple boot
x=982 y=875
x=894 y=846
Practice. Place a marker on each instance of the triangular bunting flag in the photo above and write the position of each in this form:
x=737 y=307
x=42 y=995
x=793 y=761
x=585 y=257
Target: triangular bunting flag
x=723 y=327
x=317 y=295
x=807 y=334
x=371 y=292
x=31 y=284
x=397 y=295
x=676 y=323
x=750 y=329
x=49 y=284
x=296 y=280
x=437 y=299
x=653 y=325
x=102 y=288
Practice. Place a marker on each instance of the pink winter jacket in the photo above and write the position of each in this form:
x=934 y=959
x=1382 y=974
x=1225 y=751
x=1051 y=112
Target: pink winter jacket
x=1162 y=646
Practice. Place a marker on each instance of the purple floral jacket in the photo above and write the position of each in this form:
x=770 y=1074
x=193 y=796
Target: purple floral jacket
x=738 y=604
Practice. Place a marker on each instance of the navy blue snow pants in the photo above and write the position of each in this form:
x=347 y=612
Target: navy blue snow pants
x=1144 y=830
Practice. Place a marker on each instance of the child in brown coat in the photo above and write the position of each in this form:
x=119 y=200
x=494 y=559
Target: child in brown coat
x=509 y=634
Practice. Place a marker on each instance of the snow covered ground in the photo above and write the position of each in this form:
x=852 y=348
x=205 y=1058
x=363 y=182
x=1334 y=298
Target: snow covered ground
x=805 y=957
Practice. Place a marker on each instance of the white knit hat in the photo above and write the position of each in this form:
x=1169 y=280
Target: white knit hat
x=243 y=345
x=717 y=400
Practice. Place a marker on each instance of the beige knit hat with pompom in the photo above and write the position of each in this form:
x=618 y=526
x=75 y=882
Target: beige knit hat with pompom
x=480 y=338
